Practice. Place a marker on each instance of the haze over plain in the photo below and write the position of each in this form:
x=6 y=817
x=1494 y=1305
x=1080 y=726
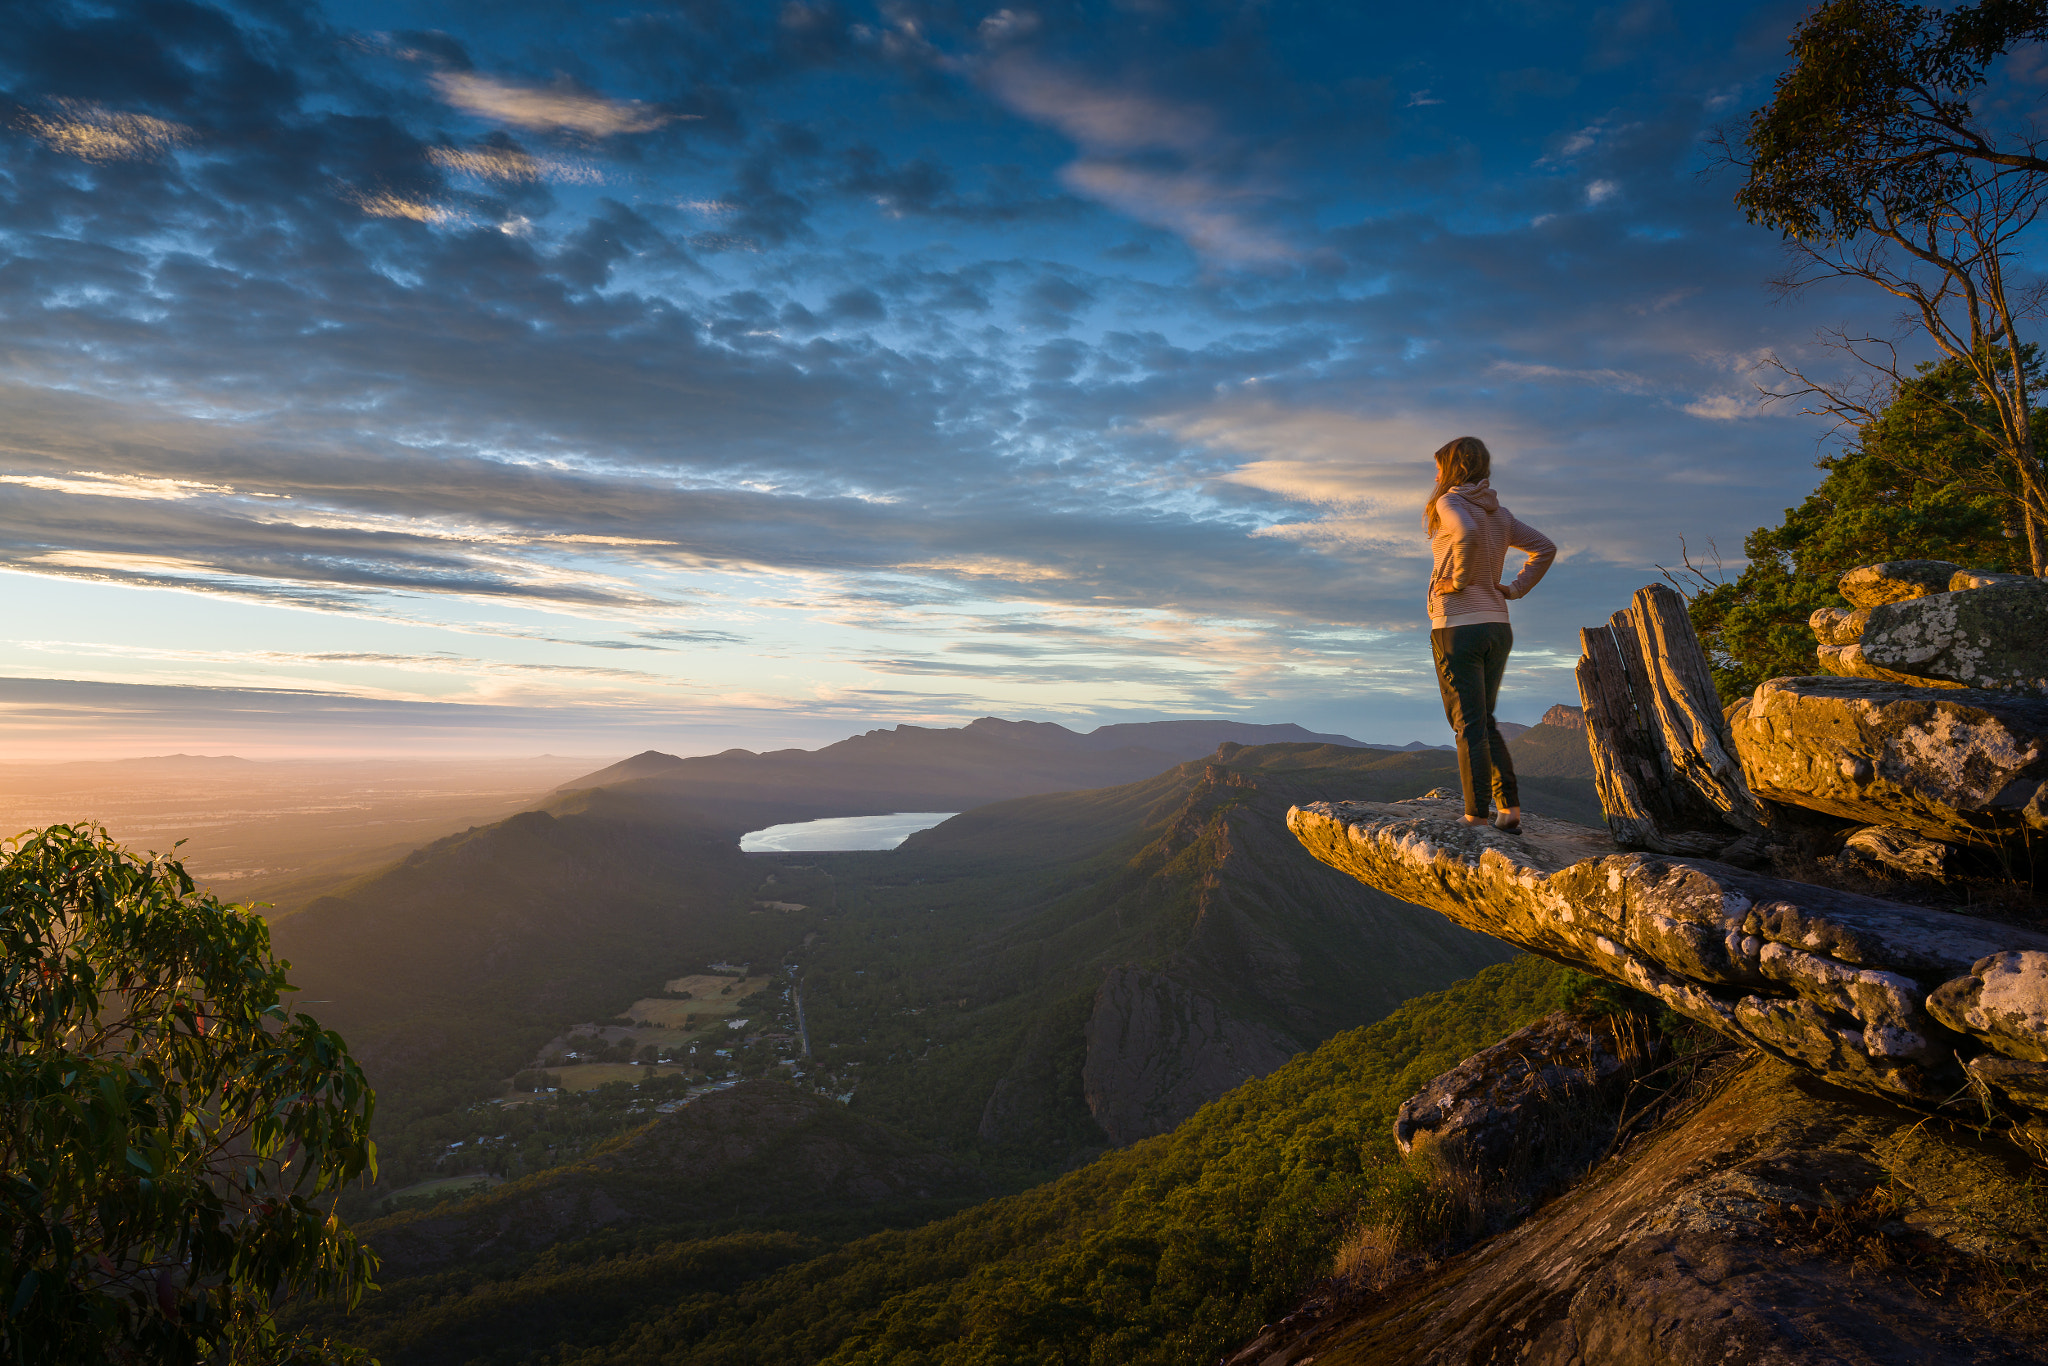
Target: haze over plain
x=451 y=378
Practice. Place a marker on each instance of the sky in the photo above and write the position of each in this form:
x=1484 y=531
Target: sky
x=509 y=377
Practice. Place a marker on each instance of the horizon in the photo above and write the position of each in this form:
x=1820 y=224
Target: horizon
x=111 y=754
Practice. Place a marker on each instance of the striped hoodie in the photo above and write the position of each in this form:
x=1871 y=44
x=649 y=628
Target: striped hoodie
x=1473 y=534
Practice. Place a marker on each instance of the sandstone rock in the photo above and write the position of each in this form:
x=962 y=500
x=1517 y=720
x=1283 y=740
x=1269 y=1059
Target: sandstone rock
x=1901 y=850
x=1834 y=626
x=1849 y=661
x=1485 y=1109
x=1954 y=764
x=1990 y=637
x=1828 y=979
x=1977 y=578
x=1873 y=585
x=2003 y=1002
x=2016 y=1080
x=1688 y=1251
x=1566 y=717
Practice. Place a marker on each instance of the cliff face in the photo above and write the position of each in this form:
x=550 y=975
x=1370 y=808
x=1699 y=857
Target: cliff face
x=1158 y=1051
x=1778 y=1221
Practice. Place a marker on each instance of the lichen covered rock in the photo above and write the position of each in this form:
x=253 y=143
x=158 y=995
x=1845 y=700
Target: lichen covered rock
x=1874 y=585
x=1990 y=637
x=1833 y=981
x=1849 y=661
x=2003 y=1001
x=1834 y=626
x=1954 y=764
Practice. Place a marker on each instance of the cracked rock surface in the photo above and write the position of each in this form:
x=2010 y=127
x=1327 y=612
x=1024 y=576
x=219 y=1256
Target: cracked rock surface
x=1955 y=764
x=1835 y=982
x=1688 y=1251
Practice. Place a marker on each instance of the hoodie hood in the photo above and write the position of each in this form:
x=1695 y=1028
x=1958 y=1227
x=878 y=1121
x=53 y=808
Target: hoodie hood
x=1479 y=495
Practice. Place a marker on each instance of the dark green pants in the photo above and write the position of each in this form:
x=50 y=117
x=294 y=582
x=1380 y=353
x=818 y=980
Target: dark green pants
x=1469 y=663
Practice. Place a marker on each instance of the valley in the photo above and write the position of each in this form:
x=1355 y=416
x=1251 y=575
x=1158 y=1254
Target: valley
x=1031 y=987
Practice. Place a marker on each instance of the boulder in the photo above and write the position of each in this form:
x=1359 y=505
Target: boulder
x=1833 y=981
x=1901 y=850
x=1849 y=661
x=1954 y=764
x=1978 y=578
x=1487 y=1111
x=1990 y=637
x=1835 y=626
x=2002 y=1002
x=1874 y=585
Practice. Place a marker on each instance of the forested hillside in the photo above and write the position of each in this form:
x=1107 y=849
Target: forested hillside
x=447 y=970
x=1167 y=1250
x=1029 y=982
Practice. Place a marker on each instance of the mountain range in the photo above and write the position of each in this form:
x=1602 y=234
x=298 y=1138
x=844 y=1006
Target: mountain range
x=917 y=768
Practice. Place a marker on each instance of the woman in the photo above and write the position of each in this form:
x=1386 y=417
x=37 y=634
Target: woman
x=1469 y=536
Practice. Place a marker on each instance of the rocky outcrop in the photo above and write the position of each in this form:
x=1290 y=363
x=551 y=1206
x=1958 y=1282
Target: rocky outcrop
x=1962 y=765
x=1777 y=1223
x=1936 y=624
x=1992 y=637
x=1833 y=981
x=1158 y=1051
x=1565 y=717
x=1877 y=585
x=1486 y=1112
x=2003 y=1002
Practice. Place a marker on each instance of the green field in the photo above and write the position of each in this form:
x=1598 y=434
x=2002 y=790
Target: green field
x=446 y=1183
x=585 y=1076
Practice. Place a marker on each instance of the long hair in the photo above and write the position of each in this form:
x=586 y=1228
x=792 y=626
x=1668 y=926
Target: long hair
x=1464 y=460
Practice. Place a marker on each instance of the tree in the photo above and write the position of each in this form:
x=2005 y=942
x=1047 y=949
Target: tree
x=1918 y=483
x=1882 y=158
x=165 y=1124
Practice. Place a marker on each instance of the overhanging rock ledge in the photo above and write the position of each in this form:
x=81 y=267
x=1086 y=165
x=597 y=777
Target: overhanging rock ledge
x=1829 y=980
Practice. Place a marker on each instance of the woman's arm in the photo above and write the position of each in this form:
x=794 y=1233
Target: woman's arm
x=1522 y=536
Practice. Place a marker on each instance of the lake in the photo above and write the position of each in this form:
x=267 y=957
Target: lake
x=838 y=834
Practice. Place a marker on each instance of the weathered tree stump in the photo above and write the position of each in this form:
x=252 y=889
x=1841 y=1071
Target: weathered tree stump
x=1663 y=759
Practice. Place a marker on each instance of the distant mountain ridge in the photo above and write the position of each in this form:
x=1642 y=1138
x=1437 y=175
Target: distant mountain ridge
x=921 y=768
x=1183 y=740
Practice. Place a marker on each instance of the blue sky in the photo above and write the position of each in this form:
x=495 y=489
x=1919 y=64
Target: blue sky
x=508 y=376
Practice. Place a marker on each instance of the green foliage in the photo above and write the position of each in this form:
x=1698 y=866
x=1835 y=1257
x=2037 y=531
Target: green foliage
x=1162 y=1252
x=1918 y=484
x=1874 y=118
x=165 y=1124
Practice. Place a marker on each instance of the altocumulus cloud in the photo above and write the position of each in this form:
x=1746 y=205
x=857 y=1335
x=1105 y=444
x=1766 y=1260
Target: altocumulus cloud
x=1065 y=363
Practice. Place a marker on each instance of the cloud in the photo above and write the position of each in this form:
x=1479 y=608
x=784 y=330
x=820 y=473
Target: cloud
x=92 y=132
x=1725 y=407
x=1120 y=131
x=547 y=108
x=510 y=164
x=380 y=204
x=93 y=483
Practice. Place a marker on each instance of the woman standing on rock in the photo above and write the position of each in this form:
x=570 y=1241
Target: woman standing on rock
x=1469 y=536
